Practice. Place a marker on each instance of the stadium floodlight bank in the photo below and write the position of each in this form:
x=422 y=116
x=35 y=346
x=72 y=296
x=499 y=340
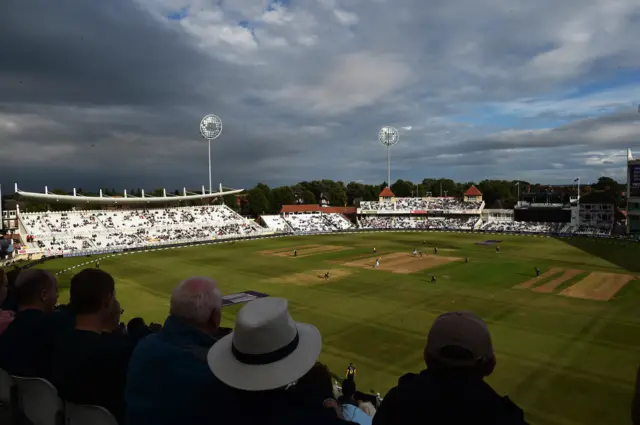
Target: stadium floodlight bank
x=75 y=198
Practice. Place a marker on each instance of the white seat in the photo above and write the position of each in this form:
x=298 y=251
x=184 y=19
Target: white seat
x=39 y=401
x=80 y=414
x=6 y=383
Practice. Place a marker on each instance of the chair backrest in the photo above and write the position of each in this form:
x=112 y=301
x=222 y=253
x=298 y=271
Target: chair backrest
x=5 y=387
x=39 y=401
x=81 y=414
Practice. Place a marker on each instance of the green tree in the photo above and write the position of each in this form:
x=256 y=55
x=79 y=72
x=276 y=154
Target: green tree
x=231 y=201
x=258 y=202
x=308 y=197
x=281 y=196
x=403 y=188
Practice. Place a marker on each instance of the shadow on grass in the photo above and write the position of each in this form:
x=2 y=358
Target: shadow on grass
x=623 y=254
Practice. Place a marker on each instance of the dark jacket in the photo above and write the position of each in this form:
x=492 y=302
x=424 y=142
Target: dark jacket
x=428 y=398
x=26 y=347
x=91 y=368
x=277 y=407
x=169 y=381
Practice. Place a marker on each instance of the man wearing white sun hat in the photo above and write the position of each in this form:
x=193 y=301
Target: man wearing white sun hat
x=265 y=353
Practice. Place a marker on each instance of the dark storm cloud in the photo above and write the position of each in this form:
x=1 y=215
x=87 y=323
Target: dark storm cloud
x=96 y=93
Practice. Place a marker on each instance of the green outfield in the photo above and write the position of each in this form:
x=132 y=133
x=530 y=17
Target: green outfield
x=565 y=360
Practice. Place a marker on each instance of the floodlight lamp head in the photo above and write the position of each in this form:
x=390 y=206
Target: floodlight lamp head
x=388 y=136
x=211 y=127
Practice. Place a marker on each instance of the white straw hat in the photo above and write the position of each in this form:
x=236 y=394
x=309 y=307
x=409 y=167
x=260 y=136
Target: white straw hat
x=267 y=349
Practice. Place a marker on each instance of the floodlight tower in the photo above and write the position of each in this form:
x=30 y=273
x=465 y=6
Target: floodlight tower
x=210 y=129
x=388 y=137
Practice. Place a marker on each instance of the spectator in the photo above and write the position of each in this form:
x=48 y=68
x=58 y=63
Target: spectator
x=89 y=366
x=179 y=350
x=350 y=408
x=266 y=352
x=113 y=321
x=314 y=389
x=6 y=316
x=11 y=302
x=27 y=343
x=458 y=354
x=137 y=329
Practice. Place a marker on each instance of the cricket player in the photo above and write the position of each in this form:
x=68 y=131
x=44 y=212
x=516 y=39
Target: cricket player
x=435 y=250
x=351 y=372
x=377 y=263
x=415 y=252
x=433 y=279
x=326 y=276
x=537 y=271
x=295 y=252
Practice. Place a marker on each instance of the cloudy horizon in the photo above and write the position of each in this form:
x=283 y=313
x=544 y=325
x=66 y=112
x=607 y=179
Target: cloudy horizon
x=110 y=94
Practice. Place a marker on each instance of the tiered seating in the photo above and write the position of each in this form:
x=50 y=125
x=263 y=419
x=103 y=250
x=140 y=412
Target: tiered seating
x=311 y=223
x=522 y=227
x=338 y=221
x=79 y=230
x=589 y=231
x=390 y=222
x=308 y=223
x=422 y=204
x=276 y=222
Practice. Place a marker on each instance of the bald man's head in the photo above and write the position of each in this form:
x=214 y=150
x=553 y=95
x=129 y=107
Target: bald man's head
x=197 y=300
x=36 y=288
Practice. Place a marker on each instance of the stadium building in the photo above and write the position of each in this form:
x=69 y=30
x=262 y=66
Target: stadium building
x=633 y=194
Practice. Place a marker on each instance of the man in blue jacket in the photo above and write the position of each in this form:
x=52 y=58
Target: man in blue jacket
x=168 y=371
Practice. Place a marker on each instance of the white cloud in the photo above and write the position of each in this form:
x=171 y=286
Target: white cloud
x=354 y=80
x=345 y=18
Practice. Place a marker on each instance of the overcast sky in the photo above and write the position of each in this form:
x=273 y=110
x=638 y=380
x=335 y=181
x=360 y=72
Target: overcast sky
x=110 y=93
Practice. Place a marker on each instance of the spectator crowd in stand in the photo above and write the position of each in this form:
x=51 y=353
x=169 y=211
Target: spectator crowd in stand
x=422 y=204
x=319 y=222
x=81 y=230
x=522 y=227
x=192 y=371
x=403 y=222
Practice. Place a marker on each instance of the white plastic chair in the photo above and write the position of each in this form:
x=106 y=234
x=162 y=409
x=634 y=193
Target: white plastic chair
x=6 y=383
x=82 y=414
x=39 y=401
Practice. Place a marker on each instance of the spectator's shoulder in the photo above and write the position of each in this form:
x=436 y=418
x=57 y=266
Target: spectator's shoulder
x=514 y=415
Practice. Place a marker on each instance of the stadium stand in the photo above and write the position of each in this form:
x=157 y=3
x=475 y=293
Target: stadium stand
x=429 y=223
x=276 y=222
x=589 y=231
x=449 y=205
x=82 y=230
x=317 y=222
x=522 y=227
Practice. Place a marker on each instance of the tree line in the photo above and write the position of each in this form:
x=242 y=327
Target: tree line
x=263 y=199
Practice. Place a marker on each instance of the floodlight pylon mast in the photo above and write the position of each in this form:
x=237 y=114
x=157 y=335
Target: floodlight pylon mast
x=210 y=185
x=389 y=168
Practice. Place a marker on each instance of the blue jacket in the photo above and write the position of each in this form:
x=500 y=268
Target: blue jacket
x=355 y=414
x=169 y=381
